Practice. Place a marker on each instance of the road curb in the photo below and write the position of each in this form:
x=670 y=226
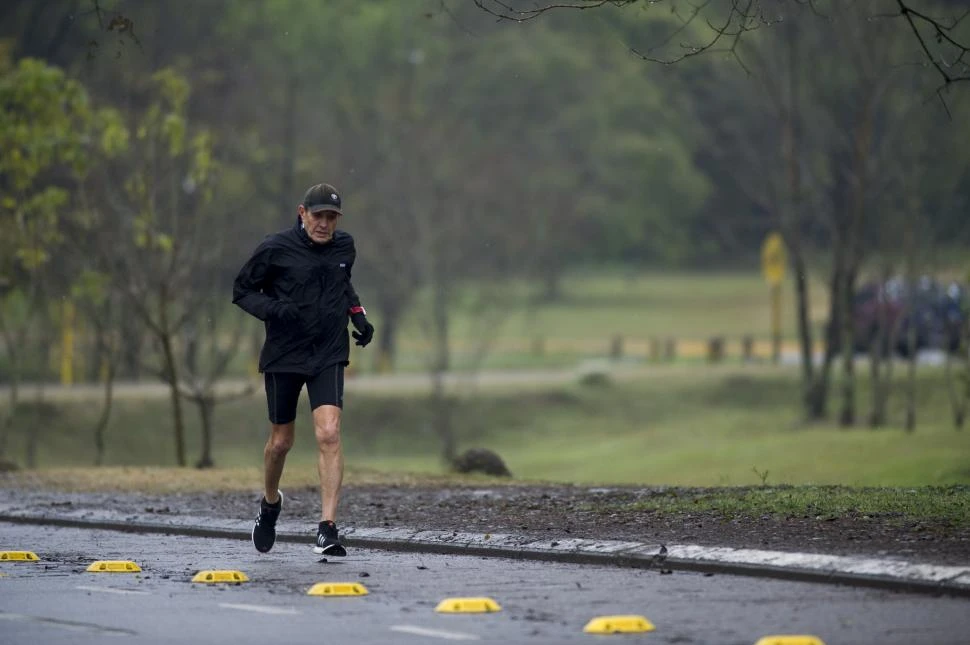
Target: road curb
x=896 y=575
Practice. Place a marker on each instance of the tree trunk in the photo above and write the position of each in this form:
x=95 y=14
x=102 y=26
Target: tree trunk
x=877 y=413
x=911 y=254
x=910 y=424
x=386 y=358
x=441 y=418
x=551 y=283
x=805 y=334
x=960 y=418
x=818 y=392
x=36 y=415
x=190 y=338
x=880 y=371
x=440 y=405
x=958 y=383
x=33 y=438
x=877 y=410
x=13 y=400
x=958 y=403
x=171 y=376
x=814 y=382
x=880 y=341
x=105 y=413
x=131 y=342
x=847 y=414
x=14 y=342
x=206 y=405
x=856 y=215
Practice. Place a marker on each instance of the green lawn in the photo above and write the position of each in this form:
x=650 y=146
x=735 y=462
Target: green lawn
x=729 y=425
x=705 y=429
x=598 y=305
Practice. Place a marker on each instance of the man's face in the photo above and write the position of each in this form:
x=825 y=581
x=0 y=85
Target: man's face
x=319 y=226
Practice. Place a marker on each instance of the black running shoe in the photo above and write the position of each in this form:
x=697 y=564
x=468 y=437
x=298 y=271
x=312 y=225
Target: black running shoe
x=328 y=542
x=264 y=531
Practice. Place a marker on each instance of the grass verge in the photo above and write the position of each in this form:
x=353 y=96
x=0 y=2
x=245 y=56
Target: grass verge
x=946 y=505
x=725 y=426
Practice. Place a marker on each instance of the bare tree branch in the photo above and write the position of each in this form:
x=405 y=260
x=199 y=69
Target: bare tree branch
x=505 y=11
x=748 y=15
x=941 y=33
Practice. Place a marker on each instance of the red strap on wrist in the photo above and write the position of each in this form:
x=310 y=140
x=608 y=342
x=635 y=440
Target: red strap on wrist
x=358 y=310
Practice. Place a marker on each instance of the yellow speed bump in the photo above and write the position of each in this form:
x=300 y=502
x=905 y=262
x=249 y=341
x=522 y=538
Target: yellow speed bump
x=338 y=589
x=18 y=556
x=212 y=576
x=467 y=606
x=114 y=566
x=794 y=639
x=618 y=625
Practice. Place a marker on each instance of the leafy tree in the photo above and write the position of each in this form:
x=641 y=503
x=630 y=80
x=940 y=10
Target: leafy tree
x=814 y=130
x=159 y=232
x=49 y=136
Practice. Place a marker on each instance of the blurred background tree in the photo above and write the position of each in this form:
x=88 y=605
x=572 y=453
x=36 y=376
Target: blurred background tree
x=483 y=163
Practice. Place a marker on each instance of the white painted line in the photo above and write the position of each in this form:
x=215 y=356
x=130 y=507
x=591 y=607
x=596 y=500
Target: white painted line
x=261 y=609
x=69 y=625
x=434 y=633
x=120 y=592
x=898 y=569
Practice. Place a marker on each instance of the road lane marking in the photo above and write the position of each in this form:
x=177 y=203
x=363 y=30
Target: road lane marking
x=123 y=592
x=69 y=625
x=434 y=633
x=259 y=609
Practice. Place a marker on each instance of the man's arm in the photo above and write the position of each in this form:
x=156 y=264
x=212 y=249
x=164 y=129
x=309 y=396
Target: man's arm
x=247 y=290
x=352 y=296
x=358 y=316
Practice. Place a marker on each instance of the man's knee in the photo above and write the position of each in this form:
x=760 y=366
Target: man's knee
x=280 y=439
x=327 y=428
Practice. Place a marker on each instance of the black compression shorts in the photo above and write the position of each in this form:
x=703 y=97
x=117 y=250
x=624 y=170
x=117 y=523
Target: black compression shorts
x=283 y=391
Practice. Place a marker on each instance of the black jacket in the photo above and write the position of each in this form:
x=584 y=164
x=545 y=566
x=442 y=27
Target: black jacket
x=289 y=267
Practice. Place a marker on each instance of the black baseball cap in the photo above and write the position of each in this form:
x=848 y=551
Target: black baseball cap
x=322 y=197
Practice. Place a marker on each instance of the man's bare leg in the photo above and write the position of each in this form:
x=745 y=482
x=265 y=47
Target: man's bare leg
x=326 y=425
x=274 y=457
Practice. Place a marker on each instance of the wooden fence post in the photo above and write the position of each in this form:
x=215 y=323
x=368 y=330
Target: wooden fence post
x=715 y=349
x=670 y=350
x=747 y=349
x=616 y=348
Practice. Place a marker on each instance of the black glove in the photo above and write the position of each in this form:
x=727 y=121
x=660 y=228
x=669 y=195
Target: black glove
x=286 y=312
x=365 y=330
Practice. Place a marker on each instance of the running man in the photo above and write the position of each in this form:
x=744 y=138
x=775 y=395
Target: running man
x=298 y=283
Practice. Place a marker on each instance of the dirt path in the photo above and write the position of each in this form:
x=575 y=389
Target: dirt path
x=402 y=383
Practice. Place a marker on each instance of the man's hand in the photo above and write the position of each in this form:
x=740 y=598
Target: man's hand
x=286 y=312
x=365 y=330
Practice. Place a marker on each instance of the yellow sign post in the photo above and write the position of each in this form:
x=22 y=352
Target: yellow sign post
x=774 y=260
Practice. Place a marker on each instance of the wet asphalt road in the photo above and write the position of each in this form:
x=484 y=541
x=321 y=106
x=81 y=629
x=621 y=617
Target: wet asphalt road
x=57 y=601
